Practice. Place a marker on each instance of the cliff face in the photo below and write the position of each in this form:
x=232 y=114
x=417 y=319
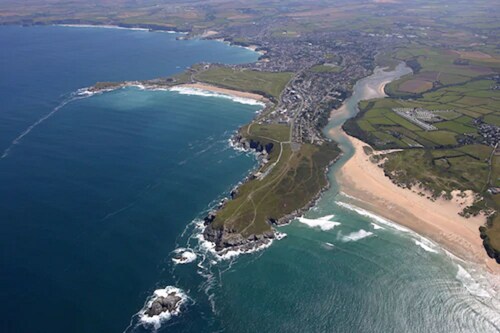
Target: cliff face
x=252 y=145
x=227 y=239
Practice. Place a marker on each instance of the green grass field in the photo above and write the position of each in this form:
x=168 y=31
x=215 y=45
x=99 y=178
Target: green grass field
x=459 y=105
x=268 y=83
x=437 y=68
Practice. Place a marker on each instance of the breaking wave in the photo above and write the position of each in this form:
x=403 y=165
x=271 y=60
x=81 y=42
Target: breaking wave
x=476 y=282
x=355 y=236
x=376 y=226
x=322 y=223
x=427 y=245
x=373 y=216
x=183 y=256
x=80 y=94
x=209 y=247
x=470 y=283
x=156 y=321
x=419 y=240
x=207 y=93
x=105 y=26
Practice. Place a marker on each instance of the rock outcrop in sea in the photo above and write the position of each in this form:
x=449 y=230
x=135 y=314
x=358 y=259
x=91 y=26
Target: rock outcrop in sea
x=162 y=304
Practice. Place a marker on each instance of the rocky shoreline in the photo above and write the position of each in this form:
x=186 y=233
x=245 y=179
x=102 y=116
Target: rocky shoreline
x=226 y=239
x=155 y=84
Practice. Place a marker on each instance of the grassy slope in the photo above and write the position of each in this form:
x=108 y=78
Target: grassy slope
x=289 y=185
x=267 y=83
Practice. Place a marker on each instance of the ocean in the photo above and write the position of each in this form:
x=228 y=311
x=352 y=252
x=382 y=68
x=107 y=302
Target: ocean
x=99 y=193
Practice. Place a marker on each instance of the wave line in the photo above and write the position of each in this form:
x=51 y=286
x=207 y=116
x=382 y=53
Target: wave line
x=74 y=96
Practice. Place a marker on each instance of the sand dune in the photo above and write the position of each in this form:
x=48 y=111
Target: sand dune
x=438 y=220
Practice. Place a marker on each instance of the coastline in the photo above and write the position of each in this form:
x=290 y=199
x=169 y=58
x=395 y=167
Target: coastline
x=257 y=242
x=438 y=220
x=147 y=28
x=184 y=88
x=223 y=91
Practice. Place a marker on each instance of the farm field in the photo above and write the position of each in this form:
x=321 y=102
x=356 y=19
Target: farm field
x=457 y=107
x=265 y=83
x=458 y=93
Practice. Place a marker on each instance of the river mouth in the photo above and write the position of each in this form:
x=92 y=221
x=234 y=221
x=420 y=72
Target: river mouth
x=353 y=269
x=367 y=88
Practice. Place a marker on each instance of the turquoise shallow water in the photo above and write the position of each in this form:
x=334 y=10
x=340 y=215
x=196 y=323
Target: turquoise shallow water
x=95 y=198
x=353 y=272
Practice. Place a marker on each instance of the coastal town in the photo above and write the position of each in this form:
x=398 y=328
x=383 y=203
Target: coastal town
x=323 y=68
x=251 y=166
x=326 y=66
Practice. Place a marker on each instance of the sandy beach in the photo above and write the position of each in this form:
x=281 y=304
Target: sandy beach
x=235 y=93
x=437 y=220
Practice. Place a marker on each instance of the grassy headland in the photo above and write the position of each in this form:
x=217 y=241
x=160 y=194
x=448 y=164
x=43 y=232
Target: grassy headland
x=290 y=175
x=286 y=183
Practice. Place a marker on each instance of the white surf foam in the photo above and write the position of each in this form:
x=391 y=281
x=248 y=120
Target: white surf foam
x=426 y=244
x=373 y=216
x=356 y=235
x=100 y=26
x=206 y=93
x=156 y=321
x=85 y=92
x=323 y=223
x=419 y=240
x=348 y=196
x=18 y=139
x=105 y=26
x=184 y=256
x=234 y=253
x=470 y=283
x=209 y=247
x=328 y=245
x=237 y=147
x=149 y=87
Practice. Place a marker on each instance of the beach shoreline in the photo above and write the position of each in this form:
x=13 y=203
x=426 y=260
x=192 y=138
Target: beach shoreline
x=370 y=189
x=145 y=28
x=223 y=91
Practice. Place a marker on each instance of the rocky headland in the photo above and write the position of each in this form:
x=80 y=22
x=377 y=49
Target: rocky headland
x=228 y=239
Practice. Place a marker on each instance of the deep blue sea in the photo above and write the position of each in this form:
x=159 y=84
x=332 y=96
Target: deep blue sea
x=96 y=193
